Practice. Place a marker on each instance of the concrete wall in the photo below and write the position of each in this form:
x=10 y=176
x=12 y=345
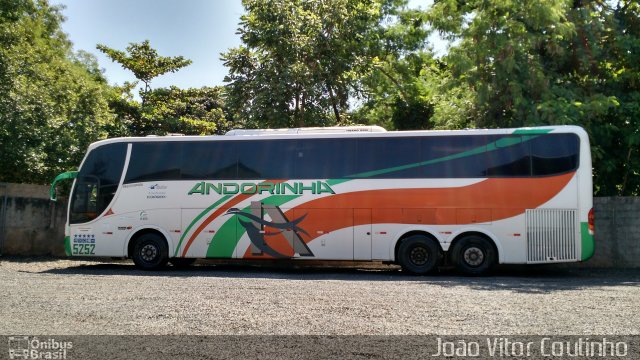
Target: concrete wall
x=617 y=232
x=35 y=226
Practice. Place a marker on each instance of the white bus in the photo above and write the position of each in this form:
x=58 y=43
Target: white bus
x=470 y=198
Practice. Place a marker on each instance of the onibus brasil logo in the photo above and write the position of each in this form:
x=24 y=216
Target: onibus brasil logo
x=25 y=347
x=255 y=227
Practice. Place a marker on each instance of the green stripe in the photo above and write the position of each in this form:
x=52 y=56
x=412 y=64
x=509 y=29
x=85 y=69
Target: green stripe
x=221 y=200
x=226 y=238
x=67 y=245
x=332 y=182
x=588 y=243
x=278 y=200
x=532 y=131
x=500 y=143
x=475 y=151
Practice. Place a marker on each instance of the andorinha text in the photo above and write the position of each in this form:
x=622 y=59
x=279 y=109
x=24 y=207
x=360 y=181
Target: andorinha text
x=297 y=188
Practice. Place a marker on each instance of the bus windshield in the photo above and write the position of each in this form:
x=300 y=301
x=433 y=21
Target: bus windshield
x=97 y=182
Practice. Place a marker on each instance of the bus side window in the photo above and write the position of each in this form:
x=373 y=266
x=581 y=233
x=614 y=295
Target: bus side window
x=554 y=154
x=154 y=161
x=454 y=156
x=215 y=160
x=390 y=158
x=266 y=159
x=511 y=157
x=325 y=158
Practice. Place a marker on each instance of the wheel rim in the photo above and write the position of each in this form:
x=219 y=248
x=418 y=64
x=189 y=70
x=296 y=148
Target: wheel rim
x=419 y=255
x=149 y=253
x=473 y=256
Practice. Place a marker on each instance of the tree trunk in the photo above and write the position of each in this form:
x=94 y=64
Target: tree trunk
x=302 y=103
x=334 y=103
x=395 y=82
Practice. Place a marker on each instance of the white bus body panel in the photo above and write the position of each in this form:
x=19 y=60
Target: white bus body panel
x=167 y=207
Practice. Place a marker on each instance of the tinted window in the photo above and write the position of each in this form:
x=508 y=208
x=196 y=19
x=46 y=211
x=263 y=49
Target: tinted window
x=97 y=182
x=508 y=156
x=105 y=163
x=325 y=158
x=469 y=156
x=259 y=159
x=554 y=154
x=209 y=160
x=154 y=161
x=389 y=158
x=454 y=156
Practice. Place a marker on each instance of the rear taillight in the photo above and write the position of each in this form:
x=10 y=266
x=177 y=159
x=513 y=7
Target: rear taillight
x=592 y=223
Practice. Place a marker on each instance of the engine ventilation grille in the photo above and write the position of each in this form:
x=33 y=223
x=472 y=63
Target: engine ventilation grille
x=551 y=235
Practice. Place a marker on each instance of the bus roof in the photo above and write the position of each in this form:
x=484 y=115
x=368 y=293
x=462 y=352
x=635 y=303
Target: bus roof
x=307 y=130
x=342 y=132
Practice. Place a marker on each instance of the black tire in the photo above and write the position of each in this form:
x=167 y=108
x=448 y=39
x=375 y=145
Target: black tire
x=150 y=252
x=474 y=255
x=419 y=254
x=181 y=262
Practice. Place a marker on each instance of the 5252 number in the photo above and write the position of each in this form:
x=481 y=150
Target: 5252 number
x=83 y=249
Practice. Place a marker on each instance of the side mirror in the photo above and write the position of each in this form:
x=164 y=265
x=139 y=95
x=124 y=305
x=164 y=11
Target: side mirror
x=64 y=176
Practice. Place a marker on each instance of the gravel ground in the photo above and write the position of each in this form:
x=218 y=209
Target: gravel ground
x=69 y=297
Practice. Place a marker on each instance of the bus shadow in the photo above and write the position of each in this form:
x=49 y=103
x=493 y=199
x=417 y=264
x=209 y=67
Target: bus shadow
x=239 y=271
x=520 y=279
x=545 y=279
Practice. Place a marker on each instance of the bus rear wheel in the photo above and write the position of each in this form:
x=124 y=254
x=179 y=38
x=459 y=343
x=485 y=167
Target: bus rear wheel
x=473 y=255
x=419 y=254
x=150 y=252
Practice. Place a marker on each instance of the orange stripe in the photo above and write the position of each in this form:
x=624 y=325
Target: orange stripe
x=489 y=200
x=493 y=193
x=221 y=210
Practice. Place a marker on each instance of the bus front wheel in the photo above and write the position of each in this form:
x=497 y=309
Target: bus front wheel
x=473 y=255
x=419 y=254
x=150 y=252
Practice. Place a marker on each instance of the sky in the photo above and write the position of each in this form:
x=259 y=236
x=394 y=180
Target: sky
x=199 y=30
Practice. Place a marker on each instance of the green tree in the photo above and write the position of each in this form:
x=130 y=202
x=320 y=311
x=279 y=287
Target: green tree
x=165 y=110
x=554 y=62
x=393 y=94
x=302 y=61
x=613 y=71
x=53 y=103
x=127 y=111
x=189 y=111
x=499 y=55
x=144 y=62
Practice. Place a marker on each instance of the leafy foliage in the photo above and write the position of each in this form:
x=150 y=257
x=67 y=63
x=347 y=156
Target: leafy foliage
x=301 y=61
x=52 y=101
x=190 y=111
x=144 y=61
x=162 y=111
x=552 y=62
x=393 y=93
x=312 y=63
x=169 y=110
